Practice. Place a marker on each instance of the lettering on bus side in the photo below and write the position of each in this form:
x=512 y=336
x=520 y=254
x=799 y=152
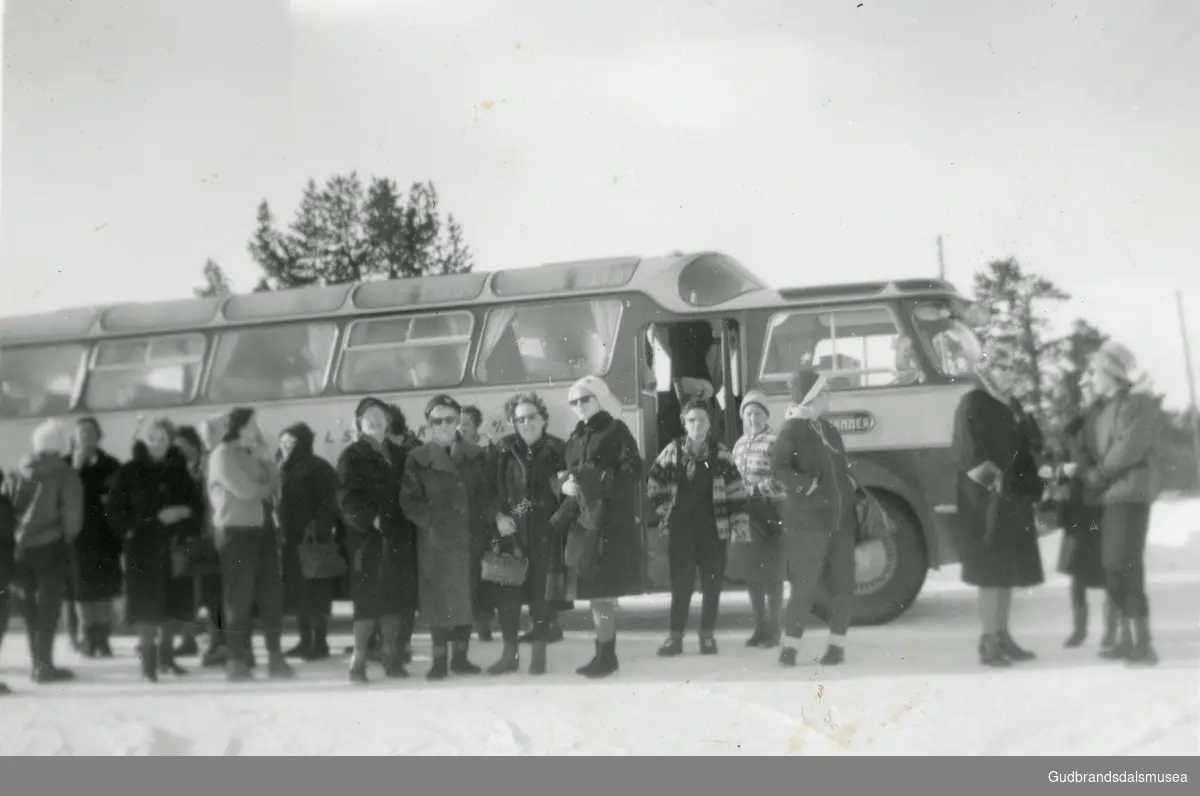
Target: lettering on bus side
x=851 y=422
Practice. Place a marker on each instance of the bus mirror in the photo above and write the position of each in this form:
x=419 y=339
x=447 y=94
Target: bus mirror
x=931 y=313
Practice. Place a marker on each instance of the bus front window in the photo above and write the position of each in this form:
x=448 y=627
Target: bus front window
x=947 y=338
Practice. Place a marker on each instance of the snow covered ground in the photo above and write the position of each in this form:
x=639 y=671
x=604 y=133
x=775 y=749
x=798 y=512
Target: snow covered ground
x=912 y=687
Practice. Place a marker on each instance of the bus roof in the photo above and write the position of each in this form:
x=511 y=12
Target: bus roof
x=679 y=282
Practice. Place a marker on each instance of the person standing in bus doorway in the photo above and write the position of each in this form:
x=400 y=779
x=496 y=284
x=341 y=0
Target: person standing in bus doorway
x=1120 y=434
x=98 y=575
x=810 y=465
x=47 y=500
x=996 y=443
x=758 y=560
x=447 y=494
x=602 y=480
x=698 y=493
x=154 y=502
x=241 y=478
x=307 y=510
x=380 y=538
x=528 y=462
x=469 y=425
x=209 y=594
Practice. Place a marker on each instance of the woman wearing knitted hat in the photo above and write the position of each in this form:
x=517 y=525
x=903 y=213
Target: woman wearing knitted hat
x=1120 y=431
x=996 y=444
x=809 y=464
x=380 y=539
x=758 y=561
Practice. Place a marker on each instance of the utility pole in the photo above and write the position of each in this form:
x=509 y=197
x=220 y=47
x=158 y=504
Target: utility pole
x=941 y=260
x=1191 y=376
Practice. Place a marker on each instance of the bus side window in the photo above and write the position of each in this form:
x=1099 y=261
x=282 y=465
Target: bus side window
x=856 y=347
x=409 y=352
x=39 y=380
x=271 y=363
x=548 y=342
x=145 y=373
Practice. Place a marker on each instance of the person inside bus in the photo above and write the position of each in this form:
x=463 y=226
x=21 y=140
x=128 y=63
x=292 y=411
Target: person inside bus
x=447 y=494
x=810 y=465
x=47 y=502
x=601 y=480
x=908 y=370
x=380 y=539
x=469 y=425
x=209 y=594
x=241 y=478
x=995 y=443
x=154 y=504
x=98 y=576
x=307 y=511
x=1120 y=433
x=758 y=560
x=527 y=465
x=699 y=495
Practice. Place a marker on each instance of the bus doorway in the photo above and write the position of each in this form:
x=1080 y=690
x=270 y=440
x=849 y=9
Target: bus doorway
x=682 y=361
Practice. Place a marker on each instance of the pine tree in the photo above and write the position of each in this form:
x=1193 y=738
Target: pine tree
x=215 y=281
x=1077 y=351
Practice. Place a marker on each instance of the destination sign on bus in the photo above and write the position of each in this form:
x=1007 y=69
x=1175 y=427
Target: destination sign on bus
x=851 y=422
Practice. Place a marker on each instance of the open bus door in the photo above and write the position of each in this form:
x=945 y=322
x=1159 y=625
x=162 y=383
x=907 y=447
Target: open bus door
x=660 y=405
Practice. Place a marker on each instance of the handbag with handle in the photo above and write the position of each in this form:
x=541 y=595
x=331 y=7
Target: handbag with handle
x=320 y=560
x=504 y=568
x=874 y=522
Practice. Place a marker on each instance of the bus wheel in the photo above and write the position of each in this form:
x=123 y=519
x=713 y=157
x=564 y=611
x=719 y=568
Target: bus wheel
x=889 y=572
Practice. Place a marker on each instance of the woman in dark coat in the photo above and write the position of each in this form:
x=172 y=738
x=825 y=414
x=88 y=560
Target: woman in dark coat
x=995 y=444
x=97 y=564
x=447 y=494
x=603 y=479
x=380 y=539
x=527 y=465
x=307 y=510
x=1079 y=554
x=809 y=463
x=154 y=501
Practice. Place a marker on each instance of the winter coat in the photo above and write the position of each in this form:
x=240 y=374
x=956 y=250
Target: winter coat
x=760 y=559
x=308 y=505
x=449 y=498
x=140 y=490
x=810 y=466
x=605 y=445
x=47 y=502
x=98 y=573
x=673 y=469
x=239 y=486
x=1119 y=438
x=997 y=534
x=380 y=539
x=527 y=489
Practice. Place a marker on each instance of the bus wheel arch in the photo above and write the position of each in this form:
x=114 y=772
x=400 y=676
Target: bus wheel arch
x=891 y=572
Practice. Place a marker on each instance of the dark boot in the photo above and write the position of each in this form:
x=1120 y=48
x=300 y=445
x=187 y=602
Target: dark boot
x=484 y=629
x=318 y=650
x=607 y=663
x=1110 y=626
x=4 y=689
x=148 y=656
x=459 y=664
x=358 y=673
x=42 y=657
x=304 y=645
x=104 y=641
x=1123 y=649
x=553 y=632
x=834 y=656
x=1143 y=651
x=537 y=658
x=166 y=661
x=1011 y=649
x=587 y=668
x=88 y=647
x=756 y=638
x=1079 y=623
x=509 y=661
x=991 y=652
x=672 y=647
x=440 y=668
x=278 y=668
x=771 y=638
x=708 y=645
x=787 y=657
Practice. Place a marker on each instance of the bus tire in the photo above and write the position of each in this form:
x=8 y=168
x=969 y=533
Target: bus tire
x=895 y=569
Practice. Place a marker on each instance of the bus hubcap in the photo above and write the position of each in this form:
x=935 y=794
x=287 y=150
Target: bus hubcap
x=874 y=565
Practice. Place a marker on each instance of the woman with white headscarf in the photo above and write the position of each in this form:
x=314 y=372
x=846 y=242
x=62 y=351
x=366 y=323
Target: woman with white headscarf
x=996 y=444
x=810 y=466
x=600 y=517
x=1119 y=436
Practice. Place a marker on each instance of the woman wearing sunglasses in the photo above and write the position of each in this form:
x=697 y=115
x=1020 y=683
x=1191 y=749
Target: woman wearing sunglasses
x=996 y=444
x=446 y=492
x=602 y=481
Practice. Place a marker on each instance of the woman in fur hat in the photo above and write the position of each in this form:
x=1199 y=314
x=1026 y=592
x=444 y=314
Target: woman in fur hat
x=1120 y=433
x=758 y=561
x=810 y=466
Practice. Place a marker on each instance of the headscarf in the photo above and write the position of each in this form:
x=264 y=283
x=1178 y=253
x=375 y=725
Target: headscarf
x=604 y=396
x=804 y=386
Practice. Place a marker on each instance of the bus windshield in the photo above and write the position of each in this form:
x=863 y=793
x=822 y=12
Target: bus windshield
x=942 y=326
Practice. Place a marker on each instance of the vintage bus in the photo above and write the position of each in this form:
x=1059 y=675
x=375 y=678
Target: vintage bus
x=896 y=354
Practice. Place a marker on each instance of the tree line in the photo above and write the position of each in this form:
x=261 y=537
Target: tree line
x=343 y=232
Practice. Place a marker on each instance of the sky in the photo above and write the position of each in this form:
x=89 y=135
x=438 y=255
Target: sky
x=818 y=141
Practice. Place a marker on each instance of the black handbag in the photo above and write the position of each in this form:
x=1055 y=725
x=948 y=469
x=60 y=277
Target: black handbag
x=320 y=560
x=504 y=568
